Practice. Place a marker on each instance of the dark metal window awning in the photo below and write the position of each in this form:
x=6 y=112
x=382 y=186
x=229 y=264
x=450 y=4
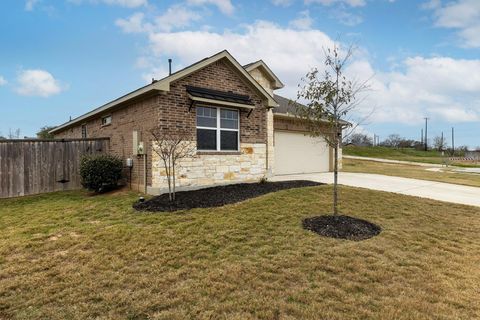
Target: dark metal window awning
x=203 y=95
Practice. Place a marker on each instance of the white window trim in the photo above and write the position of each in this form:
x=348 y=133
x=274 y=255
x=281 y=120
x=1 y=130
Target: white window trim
x=105 y=117
x=84 y=125
x=218 y=129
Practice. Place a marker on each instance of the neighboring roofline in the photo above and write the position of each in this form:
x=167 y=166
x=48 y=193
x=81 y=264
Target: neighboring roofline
x=260 y=63
x=164 y=85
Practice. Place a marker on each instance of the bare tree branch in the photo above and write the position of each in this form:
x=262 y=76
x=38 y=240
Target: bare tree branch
x=172 y=147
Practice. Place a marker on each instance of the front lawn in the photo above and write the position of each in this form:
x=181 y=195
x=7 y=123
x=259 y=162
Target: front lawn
x=72 y=256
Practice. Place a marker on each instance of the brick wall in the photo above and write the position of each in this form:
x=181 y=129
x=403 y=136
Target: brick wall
x=138 y=116
x=171 y=110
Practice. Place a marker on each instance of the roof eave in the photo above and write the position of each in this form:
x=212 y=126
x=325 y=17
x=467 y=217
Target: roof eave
x=164 y=85
x=293 y=116
x=110 y=105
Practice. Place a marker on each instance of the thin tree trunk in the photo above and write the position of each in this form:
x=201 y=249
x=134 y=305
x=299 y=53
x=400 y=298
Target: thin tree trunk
x=335 y=180
x=173 y=178
x=169 y=177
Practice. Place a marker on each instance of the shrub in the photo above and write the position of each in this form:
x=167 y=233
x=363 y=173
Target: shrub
x=100 y=172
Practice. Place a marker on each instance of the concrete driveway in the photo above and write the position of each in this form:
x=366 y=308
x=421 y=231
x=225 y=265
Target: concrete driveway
x=413 y=187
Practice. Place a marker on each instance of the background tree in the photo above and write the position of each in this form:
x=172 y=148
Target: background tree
x=359 y=139
x=44 y=132
x=171 y=147
x=393 y=141
x=439 y=143
x=14 y=134
x=460 y=151
x=329 y=97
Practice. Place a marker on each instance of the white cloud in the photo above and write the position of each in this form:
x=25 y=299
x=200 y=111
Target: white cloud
x=426 y=87
x=175 y=17
x=347 y=18
x=351 y=3
x=2 y=81
x=418 y=87
x=290 y=58
x=133 y=24
x=282 y=3
x=121 y=3
x=37 y=83
x=30 y=4
x=225 y=6
x=461 y=15
x=303 y=22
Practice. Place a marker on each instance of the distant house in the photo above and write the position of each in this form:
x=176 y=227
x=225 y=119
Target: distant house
x=243 y=131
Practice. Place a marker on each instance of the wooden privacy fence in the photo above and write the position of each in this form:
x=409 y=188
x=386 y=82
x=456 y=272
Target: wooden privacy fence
x=38 y=166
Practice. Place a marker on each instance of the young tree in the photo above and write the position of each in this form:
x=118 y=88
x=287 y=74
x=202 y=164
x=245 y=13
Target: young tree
x=330 y=97
x=171 y=147
x=44 y=133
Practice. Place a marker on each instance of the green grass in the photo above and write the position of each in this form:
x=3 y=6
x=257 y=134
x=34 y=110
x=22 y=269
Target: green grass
x=411 y=171
x=72 y=256
x=403 y=154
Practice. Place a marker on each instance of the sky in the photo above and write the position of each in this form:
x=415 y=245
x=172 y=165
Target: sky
x=62 y=58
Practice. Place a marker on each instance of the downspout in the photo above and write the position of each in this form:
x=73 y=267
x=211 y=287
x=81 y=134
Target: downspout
x=145 y=172
x=266 y=144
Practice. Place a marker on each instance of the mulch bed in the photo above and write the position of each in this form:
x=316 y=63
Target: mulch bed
x=342 y=227
x=218 y=196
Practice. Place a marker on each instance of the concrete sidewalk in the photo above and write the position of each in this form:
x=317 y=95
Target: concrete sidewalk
x=421 y=188
x=421 y=164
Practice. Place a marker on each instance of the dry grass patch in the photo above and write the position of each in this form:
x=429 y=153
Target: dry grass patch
x=250 y=260
x=411 y=171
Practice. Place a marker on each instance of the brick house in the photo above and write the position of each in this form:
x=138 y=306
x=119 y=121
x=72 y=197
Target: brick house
x=241 y=129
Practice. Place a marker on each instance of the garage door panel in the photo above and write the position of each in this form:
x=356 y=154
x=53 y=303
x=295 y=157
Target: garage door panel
x=299 y=153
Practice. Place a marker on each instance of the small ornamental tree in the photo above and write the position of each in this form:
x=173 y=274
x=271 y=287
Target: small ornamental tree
x=171 y=147
x=329 y=97
x=100 y=172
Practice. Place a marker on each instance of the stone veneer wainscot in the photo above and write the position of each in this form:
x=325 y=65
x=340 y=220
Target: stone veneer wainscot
x=209 y=169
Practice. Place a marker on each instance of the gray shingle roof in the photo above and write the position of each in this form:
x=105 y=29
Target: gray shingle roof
x=285 y=105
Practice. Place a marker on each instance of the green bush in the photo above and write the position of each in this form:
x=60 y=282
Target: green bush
x=100 y=172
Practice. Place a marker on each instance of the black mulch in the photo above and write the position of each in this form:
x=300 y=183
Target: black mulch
x=218 y=196
x=343 y=227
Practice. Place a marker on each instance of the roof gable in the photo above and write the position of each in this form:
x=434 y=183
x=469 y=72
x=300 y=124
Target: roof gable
x=164 y=84
x=261 y=65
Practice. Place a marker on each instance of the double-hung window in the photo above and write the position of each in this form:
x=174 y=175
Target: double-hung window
x=217 y=129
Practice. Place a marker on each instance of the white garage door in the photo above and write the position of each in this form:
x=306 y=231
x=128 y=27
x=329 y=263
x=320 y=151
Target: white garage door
x=299 y=153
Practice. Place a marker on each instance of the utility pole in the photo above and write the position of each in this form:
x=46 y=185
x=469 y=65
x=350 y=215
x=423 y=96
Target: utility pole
x=421 y=137
x=441 y=147
x=426 y=134
x=453 y=141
